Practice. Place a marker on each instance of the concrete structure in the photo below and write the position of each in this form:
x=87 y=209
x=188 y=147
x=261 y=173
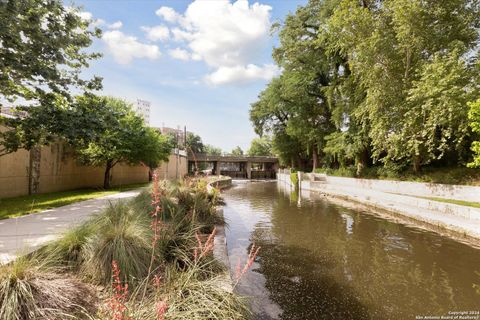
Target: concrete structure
x=25 y=234
x=54 y=168
x=176 y=167
x=178 y=133
x=240 y=167
x=142 y=108
x=402 y=198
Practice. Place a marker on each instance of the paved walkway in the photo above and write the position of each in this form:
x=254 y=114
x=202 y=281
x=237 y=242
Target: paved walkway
x=27 y=233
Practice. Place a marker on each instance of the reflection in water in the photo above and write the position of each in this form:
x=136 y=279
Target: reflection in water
x=322 y=261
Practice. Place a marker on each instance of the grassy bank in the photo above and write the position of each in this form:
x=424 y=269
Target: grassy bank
x=456 y=175
x=146 y=258
x=19 y=206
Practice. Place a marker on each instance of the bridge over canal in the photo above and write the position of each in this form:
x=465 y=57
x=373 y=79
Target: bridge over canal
x=239 y=167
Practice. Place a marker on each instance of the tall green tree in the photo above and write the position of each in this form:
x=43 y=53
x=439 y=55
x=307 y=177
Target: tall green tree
x=194 y=143
x=474 y=117
x=41 y=58
x=392 y=47
x=124 y=139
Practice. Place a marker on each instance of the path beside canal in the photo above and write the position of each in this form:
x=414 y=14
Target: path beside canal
x=25 y=234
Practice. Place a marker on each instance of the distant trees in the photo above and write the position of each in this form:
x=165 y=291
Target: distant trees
x=209 y=149
x=237 y=151
x=368 y=82
x=260 y=147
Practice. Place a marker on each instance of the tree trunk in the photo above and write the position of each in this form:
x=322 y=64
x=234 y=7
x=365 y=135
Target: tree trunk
x=362 y=159
x=106 y=178
x=150 y=174
x=417 y=161
x=34 y=170
x=315 y=158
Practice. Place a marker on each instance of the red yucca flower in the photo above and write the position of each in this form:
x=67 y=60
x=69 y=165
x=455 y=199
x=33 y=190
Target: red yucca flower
x=204 y=249
x=239 y=271
x=116 y=303
x=157 y=281
x=161 y=308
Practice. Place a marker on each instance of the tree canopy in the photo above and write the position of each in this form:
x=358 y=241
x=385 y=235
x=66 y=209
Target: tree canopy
x=367 y=82
x=124 y=139
x=41 y=59
x=237 y=151
x=260 y=147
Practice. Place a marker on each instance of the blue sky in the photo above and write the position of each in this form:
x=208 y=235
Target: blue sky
x=199 y=63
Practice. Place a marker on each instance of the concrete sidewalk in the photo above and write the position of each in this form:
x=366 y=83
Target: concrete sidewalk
x=27 y=233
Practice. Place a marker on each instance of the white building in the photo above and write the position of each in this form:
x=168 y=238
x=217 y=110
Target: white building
x=142 y=108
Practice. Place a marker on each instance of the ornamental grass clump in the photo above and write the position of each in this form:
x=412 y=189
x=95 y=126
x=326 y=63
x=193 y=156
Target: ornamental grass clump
x=122 y=235
x=31 y=288
x=67 y=250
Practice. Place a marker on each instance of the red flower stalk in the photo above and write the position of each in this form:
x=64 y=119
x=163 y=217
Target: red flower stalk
x=239 y=272
x=117 y=303
x=161 y=308
x=204 y=249
x=157 y=281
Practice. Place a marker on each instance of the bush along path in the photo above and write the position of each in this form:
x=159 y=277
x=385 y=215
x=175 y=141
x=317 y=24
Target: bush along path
x=145 y=258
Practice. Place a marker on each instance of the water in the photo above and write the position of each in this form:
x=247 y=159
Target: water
x=319 y=260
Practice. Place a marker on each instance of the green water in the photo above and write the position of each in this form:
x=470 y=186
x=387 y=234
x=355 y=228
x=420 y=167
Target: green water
x=319 y=260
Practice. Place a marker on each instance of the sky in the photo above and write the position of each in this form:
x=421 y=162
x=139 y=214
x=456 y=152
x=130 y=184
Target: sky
x=200 y=63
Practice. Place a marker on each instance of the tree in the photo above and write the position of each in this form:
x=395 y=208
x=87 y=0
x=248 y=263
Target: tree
x=212 y=150
x=260 y=147
x=474 y=117
x=125 y=139
x=237 y=151
x=155 y=149
x=390 y=47
x=194 y=143
x=41 y=59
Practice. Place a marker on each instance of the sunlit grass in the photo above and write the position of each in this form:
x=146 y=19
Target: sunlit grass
x=19 y=206
x=453 y=201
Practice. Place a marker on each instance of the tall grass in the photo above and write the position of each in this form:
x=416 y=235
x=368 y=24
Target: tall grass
x=31 y=288
x=124 y=236
x=121 y=235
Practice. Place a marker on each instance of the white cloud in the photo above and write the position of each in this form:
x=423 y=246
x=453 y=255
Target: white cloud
x=168 y=14
x=157 y=33
x=180 y=54
x=115 y=25
x=85 y=15
x=242 y=74
x=227 y=36
x=125 y=48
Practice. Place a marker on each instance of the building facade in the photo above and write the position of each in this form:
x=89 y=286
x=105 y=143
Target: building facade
x=142 y=108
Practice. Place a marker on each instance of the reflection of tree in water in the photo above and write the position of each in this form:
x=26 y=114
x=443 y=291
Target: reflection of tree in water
x=299 y=284
x=323 y=261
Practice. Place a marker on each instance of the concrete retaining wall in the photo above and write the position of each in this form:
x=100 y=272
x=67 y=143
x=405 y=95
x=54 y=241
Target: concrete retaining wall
x=435 y=190
x=399 y=197
x=59 y=171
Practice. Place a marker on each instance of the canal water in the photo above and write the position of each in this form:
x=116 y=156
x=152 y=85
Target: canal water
x=319 y=260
